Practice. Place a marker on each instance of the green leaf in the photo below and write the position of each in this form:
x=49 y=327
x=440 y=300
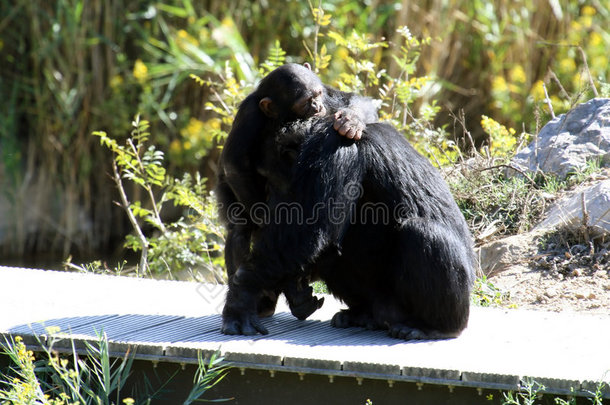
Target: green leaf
x=276 y=58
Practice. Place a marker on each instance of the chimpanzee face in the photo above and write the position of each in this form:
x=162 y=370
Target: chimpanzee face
x=292 y=91
x=311 y=103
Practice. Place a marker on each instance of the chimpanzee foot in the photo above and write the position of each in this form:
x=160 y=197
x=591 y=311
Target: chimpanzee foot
x=341 y=319
x=346 y=318
x=267 y=303
x=302 y=310
x=405 y=332
x=243 y=324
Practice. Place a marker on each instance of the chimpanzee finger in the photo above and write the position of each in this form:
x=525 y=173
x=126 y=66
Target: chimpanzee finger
x=250 y=325
x=340 y=124
x=230 y=327
x=248 y=329
x=350 y=133
x=257 y=324
x=347 y=128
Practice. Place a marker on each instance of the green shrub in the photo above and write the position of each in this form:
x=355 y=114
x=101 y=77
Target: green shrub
x=94 y=379
x=193 y=242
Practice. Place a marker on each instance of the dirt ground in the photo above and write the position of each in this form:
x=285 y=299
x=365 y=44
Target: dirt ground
x=580 y=289
x=568 y=274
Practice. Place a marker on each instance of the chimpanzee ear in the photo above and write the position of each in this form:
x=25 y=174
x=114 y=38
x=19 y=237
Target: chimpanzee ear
x=266 y=106
x=307 y=65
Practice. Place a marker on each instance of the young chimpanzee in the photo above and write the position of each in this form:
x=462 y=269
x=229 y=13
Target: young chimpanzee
x=380 y=227
x=250 y=165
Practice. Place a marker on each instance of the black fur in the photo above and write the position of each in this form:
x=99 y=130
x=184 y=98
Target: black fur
x=378 y=225
x=251 y=168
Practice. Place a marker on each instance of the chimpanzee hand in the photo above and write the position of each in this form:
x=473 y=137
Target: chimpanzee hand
x=308 y=306
x=348 y=124
x=245 y=323
x=300 y=298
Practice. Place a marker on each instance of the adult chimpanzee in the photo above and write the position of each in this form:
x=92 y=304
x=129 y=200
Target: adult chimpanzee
x=380 y=228
x=249 y=163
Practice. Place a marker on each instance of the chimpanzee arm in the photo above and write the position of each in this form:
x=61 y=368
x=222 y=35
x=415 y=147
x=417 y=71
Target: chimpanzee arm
x=241 y=154
x=283 y=248
x=364 y=107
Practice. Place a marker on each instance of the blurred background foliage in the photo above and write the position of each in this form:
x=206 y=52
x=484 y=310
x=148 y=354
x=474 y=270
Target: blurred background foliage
x=69 y=67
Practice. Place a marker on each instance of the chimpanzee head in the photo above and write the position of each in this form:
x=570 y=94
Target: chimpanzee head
x=291 y=92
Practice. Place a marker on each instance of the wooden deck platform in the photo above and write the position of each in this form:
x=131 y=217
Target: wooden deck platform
x=171 y=321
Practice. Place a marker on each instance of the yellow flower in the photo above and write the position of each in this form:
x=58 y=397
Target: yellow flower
x=213 y=123
x=418 y=82
x=517 y=74
x=499 y=84
x=184 y=37
x=342 y=53
x=537 y=91
x=595 y=39
x=502 y=138
x=232 y=87
x=175 y=147
x=588 y=11
x=140 y=71
x=587 y=21
x=227 y=22
x=514 y=88
x=193 y=130
x=567 y=65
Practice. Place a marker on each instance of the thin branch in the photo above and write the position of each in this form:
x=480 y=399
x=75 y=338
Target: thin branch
x=584 y=60
x=132 y=218
x=148 y=188
x=585 y=218
x=556 y=80
x=316 y=33
x=548 y=101
x=220 y=100
x=521 y=172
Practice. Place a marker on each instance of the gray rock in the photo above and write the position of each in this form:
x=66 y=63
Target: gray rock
x=569 y=140
x=569 y=211
x=499 y=255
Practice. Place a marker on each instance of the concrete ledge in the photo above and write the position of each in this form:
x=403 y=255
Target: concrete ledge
x=176 y=321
